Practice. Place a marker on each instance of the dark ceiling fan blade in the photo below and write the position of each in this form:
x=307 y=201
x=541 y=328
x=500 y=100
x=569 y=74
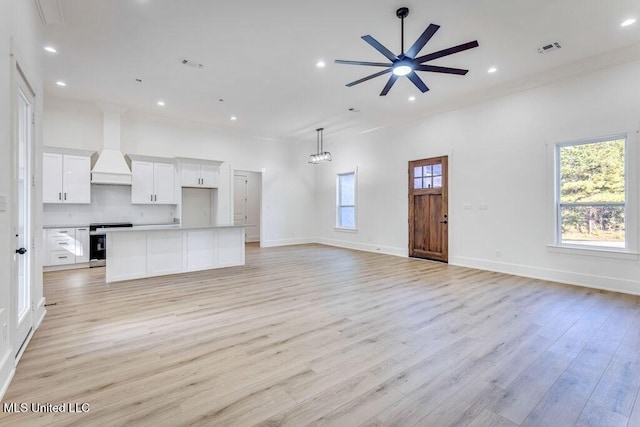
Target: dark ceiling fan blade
x=372 y=76
x=422 y=40
x=378 y=46
x=389 y=84
x=417 y=81
x=436 y=69
x=371 y=64
x=446 y=52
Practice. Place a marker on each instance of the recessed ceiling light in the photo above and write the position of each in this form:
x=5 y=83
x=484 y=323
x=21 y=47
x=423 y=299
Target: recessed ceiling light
x=234 y=118
x=61 y=83
x=412 y=98
x=50 y=49
x=320 y=64
x=628 y=22
x=160 y=103
x=492 y=70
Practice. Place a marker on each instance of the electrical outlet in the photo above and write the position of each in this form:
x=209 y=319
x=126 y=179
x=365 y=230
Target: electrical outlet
x=467 y=206
x=498 y=254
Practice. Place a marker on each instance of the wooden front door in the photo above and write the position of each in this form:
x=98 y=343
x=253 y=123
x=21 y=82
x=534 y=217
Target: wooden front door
x=428 y=209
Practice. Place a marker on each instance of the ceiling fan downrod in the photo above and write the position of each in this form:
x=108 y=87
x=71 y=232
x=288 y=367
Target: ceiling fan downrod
x=402 y=13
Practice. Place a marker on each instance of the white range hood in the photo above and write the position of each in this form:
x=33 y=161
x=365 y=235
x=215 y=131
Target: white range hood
x=111 y=166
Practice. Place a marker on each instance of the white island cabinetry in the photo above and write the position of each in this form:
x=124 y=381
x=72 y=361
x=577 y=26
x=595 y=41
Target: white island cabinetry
x=147 y=252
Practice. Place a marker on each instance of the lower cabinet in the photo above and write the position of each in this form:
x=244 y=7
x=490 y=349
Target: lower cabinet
x=66 y=246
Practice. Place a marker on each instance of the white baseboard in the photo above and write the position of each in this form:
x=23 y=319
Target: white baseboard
x=65 y=267
x=388 y=250
x=287 y=242
x=7 y=370
x=252 y=239
x=41 y=311
x=587 y=280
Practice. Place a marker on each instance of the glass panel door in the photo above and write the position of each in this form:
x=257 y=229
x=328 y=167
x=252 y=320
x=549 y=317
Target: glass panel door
x=22 y=277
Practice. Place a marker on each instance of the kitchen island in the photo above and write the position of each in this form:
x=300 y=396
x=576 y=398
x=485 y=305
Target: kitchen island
x=149 y=251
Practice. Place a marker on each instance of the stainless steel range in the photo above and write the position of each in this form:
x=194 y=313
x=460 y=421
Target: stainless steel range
x=98 y=242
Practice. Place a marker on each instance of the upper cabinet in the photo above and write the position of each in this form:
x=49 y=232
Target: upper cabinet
x=66 y=177
x=199 y=173
x=152 y=181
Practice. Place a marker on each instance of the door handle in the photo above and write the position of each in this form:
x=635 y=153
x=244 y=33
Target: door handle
x=59 y=196
x=21 y=251
x=65 y=196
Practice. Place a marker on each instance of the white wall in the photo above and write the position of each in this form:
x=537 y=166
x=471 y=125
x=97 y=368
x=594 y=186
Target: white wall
x=20 y=41
x=288 y=182
x=198 y=205
x=109 y=203
x=498 y=156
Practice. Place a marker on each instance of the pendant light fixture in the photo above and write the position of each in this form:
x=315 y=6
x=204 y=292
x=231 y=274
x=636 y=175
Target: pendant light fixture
x=320 y=155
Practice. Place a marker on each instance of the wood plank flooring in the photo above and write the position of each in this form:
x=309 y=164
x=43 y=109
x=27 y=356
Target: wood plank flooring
x=315 y=335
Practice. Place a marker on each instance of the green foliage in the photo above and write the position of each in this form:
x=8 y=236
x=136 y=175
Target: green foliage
x=593 y=173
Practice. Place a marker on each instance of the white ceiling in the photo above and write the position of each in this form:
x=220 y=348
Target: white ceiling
x=260 y=57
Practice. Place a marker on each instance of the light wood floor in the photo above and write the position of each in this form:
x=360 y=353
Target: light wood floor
x=318 y=335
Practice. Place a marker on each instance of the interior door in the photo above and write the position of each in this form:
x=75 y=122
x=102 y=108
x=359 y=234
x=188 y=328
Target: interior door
x=239 y=199
x=428 y=209
x=22 y=225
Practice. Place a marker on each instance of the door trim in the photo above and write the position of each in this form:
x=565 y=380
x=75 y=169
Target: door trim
x=23 y=330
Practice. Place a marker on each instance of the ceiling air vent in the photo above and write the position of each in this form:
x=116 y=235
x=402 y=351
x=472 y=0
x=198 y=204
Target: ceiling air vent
x=549 y=47
x=191 y=64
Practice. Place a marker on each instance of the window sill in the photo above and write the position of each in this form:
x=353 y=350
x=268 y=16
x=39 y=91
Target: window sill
x=594 y=252
x=345 y=230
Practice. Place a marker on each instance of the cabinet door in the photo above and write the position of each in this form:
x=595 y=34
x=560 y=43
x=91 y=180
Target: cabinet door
x=76 y=181
x=52 y=178
x=164 y=183
x=190 y=175
x=82 y=244
x=141 y=182
x=210 y=176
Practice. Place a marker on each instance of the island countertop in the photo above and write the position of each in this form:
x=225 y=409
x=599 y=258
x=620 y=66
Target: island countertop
x=161 y=227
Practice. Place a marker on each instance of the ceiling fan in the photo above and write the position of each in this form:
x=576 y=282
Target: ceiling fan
x=407 y=63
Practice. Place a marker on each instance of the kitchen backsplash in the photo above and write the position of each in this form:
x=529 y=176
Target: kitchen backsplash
x=109 y=203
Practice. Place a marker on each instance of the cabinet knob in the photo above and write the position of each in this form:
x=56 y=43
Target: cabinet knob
x=21 y=251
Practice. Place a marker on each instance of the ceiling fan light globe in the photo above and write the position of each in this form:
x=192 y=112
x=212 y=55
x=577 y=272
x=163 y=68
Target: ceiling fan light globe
x=402 y=69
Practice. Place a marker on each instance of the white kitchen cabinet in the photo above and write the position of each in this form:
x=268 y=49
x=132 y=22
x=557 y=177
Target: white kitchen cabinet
x=164 y=183
x=152 y=182
x=82 y=245
x=67 y=246
x=199 y=174
x=66 y=178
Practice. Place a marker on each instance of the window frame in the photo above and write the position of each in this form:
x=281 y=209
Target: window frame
x=338 y=226
x=629 y=204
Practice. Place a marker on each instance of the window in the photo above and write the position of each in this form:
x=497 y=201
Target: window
x=591 y=190
x=429 y=176
x=346 y=200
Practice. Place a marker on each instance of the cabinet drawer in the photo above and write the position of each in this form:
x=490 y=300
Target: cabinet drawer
x=62 y=244
x=61 y=232
x=61 y=258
